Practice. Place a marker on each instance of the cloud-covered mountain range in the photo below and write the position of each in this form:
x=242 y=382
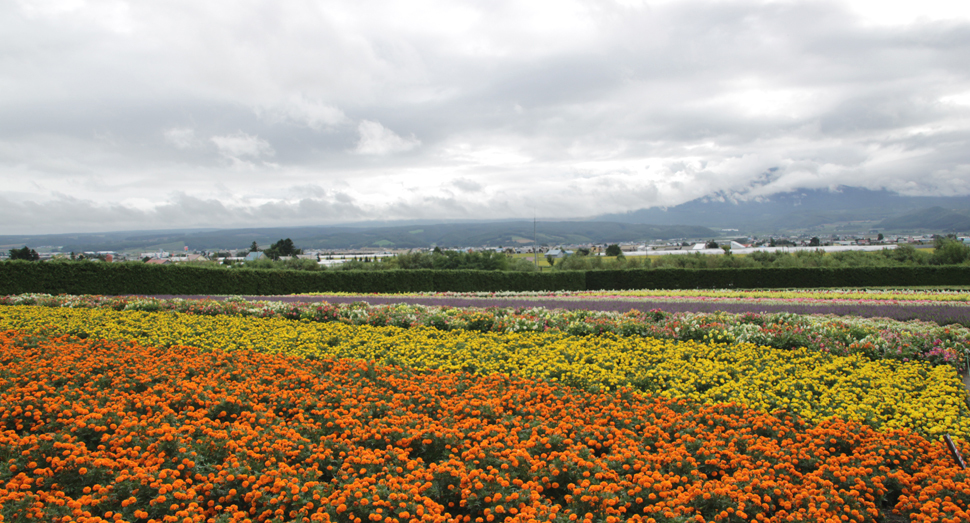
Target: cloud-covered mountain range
x=119 y=115
x=699 y=219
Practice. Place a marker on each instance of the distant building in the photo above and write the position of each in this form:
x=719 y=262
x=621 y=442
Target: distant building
x=188 y=258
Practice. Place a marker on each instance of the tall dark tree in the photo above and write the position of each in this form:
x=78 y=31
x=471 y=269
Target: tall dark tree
x=24 y=254
x=282 y=248
x=613 y=250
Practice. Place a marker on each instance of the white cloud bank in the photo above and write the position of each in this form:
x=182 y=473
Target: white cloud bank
x=240 y=146
x=299 y=110
x=181 y=137
x=457 y=110
x=377 y=139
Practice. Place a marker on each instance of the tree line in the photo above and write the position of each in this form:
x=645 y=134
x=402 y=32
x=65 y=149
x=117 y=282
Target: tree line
x=282 y=255
x=947 y=251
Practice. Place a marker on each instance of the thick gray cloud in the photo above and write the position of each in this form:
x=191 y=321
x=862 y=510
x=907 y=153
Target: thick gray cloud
x=123 y=115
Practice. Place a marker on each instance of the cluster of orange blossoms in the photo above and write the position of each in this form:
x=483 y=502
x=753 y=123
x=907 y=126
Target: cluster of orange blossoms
x=102 y=431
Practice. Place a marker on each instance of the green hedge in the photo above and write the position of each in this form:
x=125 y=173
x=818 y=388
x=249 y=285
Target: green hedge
x=139 y=278
x=484 y=281
x=18 y=277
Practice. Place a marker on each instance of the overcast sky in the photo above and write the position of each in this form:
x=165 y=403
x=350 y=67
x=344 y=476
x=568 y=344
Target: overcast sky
x=118 y=115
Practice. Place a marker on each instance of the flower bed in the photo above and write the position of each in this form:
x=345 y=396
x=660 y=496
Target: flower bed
x=871 y=337
x=855 y=295
x=939 y=313
x=96 y=430
x=813 y=385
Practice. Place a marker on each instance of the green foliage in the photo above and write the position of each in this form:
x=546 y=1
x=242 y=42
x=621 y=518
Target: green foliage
x=439 y=260
x=522 y=265
x=472 y=281
x=139 y=278
x=24 y=254
x=413 y=260
x=780 y=243
x=18 y=277
x=360 y=265
x=482 y=261
x=805 y=269
x=290 y=264
x=907 y=255
x=948 y=251
x=904 y=255
x=700 y=261
x=263 y=263
x=613 y=250
x=282 y=248
x=583 y=263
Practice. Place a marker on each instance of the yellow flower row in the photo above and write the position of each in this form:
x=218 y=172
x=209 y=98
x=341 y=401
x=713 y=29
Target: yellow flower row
x=885 y=394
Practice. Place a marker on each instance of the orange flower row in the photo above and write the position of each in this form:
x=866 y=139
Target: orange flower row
x=103 y=431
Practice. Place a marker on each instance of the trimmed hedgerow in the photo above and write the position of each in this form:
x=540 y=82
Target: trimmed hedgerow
x=18 y=277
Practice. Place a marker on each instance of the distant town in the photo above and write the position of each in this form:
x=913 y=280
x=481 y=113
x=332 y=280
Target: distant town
x=678 y=246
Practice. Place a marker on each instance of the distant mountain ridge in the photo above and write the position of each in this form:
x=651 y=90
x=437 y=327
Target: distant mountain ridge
x=508 y=234
x=797 y=210
x=802 y=209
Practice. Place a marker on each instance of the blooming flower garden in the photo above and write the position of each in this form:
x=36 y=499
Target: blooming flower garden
x=141 y=410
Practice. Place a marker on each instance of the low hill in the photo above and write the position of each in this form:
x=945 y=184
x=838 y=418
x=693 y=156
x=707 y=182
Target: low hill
x=931 y=219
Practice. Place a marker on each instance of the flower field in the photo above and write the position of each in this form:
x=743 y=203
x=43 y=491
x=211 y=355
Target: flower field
x=874 y=338
x=96 y=430
x=813 y=385
x=145 y=410
x=941 y=307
